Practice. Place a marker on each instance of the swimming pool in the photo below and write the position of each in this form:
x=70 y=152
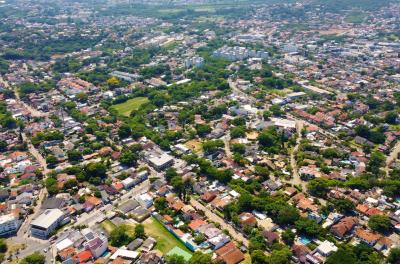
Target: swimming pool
x=304 y=240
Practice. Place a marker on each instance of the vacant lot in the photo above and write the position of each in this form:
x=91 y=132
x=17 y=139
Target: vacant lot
x=130 y=105
x=165 y=240
x=108 y=226
x=195 y=146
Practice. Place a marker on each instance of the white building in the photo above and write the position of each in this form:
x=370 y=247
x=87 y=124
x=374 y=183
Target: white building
x=161 y=162
x=9 y=224
x=47 y=222
x=97 y=244
x=326 y=248
x=194 y=62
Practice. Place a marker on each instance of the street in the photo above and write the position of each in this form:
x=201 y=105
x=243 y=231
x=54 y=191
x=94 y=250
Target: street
x=224 y=225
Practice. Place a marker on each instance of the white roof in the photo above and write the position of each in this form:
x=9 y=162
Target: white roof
x=7 y=218
x=129 y=254
x=47 y=218
x=234 y=193
x=127 y=181
x=327 y=247
x=161 y=160
x=284 y=122
x=63 y=244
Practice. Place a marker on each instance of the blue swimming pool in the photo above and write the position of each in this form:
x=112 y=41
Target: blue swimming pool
x=304 y=240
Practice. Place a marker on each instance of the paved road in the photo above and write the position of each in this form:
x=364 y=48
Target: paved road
x=32 y=245
x=293 y=163
x=213 y=217
x=34 y=112
x=227 y=147
x=393 y=155
x=23 y=231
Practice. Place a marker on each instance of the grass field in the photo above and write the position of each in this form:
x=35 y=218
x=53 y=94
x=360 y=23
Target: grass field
x=247 y=259
x=195 y=146
x=130 y=105
x=355 y=17
x=108 y=226
x=165 y=240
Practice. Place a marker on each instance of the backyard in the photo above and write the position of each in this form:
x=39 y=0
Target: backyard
x=165 y=240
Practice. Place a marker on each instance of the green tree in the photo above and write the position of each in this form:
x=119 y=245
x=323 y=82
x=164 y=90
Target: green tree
x=119 y=236
x=238 y=148
x=288 y=237
x=3 y=246
x=276 y=110
x=35 y=258
x=376 y=161
x=379 y=223
x=287 y=215
x=74 y=155
x=308 y=227
x=258 y=257
x=281 y=256
x=344 y=206
x=203 y=130
x=3 y=146
x=170 y=173
x=113 y=82
x=342 y=256
x=318 y=187
x=238 y=132
x=394 y=256
x=175 y=259
x=139 y=231
x=124 y=131
x=51 y=160
x=391 y=117
x=128 y=158
x=212 y=146
x=200 y=258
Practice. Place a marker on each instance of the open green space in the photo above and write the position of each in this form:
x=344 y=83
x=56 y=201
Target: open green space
x=130 y=105
x=180 y=252
x=165 y=240
x=355 y=17
x=108 y=226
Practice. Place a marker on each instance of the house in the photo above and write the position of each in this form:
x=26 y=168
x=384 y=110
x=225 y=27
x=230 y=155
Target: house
x=300 y=252
x=151 y=258
x=208 y=196
x=83 y=257
x=345 y=226
x=4 y=195
x=366 y=210
x=148 y=244
x=230 y=254
x=128 y=206
x=325 y=248
x=270 y=237
x=194 y=224
x=140 y=214
x=125 y=254
x=247 y=219
x=219 y=241
x=18 y=156
x=367 y=236
x=96 y=244
x=135 y=244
